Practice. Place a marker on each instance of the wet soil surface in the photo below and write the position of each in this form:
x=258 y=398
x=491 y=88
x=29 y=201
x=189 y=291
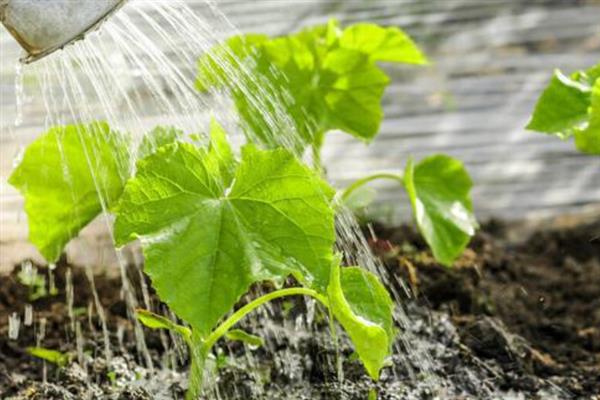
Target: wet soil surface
x=508 y=321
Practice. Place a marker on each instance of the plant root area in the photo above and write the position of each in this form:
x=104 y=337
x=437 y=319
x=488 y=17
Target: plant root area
x=513 y=319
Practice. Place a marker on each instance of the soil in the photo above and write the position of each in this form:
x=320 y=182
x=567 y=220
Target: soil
x=510 y=320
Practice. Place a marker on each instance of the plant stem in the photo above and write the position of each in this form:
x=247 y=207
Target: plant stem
x=199 y=348
x=242 y=312
x=198 y=354
x=363 y=181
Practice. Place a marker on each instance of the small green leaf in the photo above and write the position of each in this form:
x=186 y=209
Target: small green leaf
x=67 y=176
x=205 y=243
x=364 y=308
x=382 y=44
x=52 y=356
x=562 y=107
x=155 y=321
x=159 y=136
x=243 y=336
x=439 y=188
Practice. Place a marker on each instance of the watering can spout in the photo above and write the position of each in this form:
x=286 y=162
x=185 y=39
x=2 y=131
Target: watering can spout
x=43 y=26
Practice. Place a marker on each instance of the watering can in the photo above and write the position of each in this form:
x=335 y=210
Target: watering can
x=44 y=26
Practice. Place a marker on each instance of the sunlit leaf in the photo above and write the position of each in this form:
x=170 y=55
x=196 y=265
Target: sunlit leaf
x=562 y=107
x=439 y=188
x=364 y=308
x=570 y=106
x=68 y=176
x=205 y=243
x=324 y=76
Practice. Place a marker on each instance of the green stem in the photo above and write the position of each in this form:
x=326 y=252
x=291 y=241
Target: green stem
x=242 y=312
x=200 y=348
x=198 y=355
x=363 y=181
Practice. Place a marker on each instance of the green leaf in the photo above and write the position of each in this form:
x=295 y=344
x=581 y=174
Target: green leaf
x=205 y=243
x=352 y=88
x=562 y=107
x=438 y=188
x=326 y=78
x=243 y=336
x=158 y=137
x=382 y=44
x=67 y=176
x=364 y=308
x=155 y=321
x=52 y=356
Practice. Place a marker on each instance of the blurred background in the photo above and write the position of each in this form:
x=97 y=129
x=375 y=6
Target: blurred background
x=490 y=60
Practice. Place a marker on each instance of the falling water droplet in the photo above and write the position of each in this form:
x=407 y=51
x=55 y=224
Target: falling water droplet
x=14 y=323
x=41 y=334
x=69 y=295
x=52 y=283
x=79 y=342
x=28 y=320
x=19 y=93
x=310 y=311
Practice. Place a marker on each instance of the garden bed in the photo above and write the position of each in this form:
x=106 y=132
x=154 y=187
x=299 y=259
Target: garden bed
x=516 y=318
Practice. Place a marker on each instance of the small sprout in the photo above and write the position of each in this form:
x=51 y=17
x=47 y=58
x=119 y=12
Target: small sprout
x=243 y=336
x=52 y=356
x=35 y=282
x=112 y=377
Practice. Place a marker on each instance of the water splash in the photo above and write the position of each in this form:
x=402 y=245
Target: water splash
x=28 y=318
x=14 y=325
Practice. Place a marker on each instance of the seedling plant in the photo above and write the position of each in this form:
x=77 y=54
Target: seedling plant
x=212 y=223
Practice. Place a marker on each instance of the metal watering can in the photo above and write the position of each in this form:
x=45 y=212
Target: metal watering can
x=44 y=26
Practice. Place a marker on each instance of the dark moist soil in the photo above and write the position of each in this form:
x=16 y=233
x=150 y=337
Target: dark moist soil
x=508 y=321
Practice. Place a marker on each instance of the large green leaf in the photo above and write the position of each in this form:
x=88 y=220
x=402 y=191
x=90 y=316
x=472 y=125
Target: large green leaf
x=206 y=242
x=326 y=78
x=438 y=188
x=364 y=308
x=67 y=176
